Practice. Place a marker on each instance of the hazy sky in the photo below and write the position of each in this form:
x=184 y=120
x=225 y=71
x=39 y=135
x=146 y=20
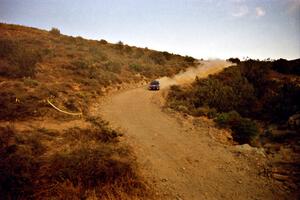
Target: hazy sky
x=199 y=28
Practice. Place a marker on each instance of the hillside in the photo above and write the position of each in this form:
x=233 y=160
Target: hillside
x=77 y=122
x=46 y=153
x=70 y=70
x=258 y=101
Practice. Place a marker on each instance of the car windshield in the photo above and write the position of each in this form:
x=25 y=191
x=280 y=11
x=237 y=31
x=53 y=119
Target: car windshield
x=154 y=83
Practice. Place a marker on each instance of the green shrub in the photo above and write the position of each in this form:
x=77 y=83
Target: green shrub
x=103 y=41
x=157 y=57
x=26 y=61
x=80 y=64
x=97 y=54
x=7 y=47
x=20 y=106
x=234 y=60
x=135 y=67
x=145 y=70
x=287 y=67
x=177 y=93
x=89 y=160
x=245 y=131
x=205 y=111
x=18 y=164
x=30 y=82
x=189 y=59
x=89 y=166
x=139 y=53
x=215 y=94
x=167 y=55
x=228 y=119
x=257 y=73
x=22 y=60
x=100 y=132
x=177 y=100
x=55 y=31
x=128 y=49
x=119 y=46
x=114 y=67
x=284 y=103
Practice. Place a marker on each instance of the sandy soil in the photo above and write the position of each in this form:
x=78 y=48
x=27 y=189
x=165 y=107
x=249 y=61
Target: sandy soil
x=180 y=160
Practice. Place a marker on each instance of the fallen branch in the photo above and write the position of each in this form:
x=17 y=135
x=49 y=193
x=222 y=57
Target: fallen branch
x=68 y=113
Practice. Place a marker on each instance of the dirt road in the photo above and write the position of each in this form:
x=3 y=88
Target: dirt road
x=183 y=162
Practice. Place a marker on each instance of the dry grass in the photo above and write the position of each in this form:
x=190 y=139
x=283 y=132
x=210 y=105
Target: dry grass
x=69 y=69
x=79 y=162
x=72 y=164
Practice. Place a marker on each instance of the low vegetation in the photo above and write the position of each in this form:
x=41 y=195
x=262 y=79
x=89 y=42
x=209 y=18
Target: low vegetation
x=75 y=164
x=259 y=102
x=244 y=129
x=241 y=94
x=37 y=66
x=20 y=62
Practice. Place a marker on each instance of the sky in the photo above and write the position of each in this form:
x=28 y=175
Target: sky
x=258 y=29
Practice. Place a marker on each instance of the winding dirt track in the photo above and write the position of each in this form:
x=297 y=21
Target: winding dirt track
x=181 y=161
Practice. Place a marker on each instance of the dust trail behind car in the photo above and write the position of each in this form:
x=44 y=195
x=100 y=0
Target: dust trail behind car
x=204 y=69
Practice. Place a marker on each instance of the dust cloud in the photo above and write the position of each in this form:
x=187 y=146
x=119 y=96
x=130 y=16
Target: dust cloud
x=204 y=69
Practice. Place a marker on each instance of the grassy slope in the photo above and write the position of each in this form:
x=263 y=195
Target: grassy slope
x=70 y=70
x=45 y=153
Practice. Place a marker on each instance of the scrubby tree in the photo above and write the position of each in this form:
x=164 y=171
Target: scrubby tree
x=55 y=31
x=234 y=60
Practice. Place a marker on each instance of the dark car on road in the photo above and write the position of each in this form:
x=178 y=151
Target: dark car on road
x=154 y=85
